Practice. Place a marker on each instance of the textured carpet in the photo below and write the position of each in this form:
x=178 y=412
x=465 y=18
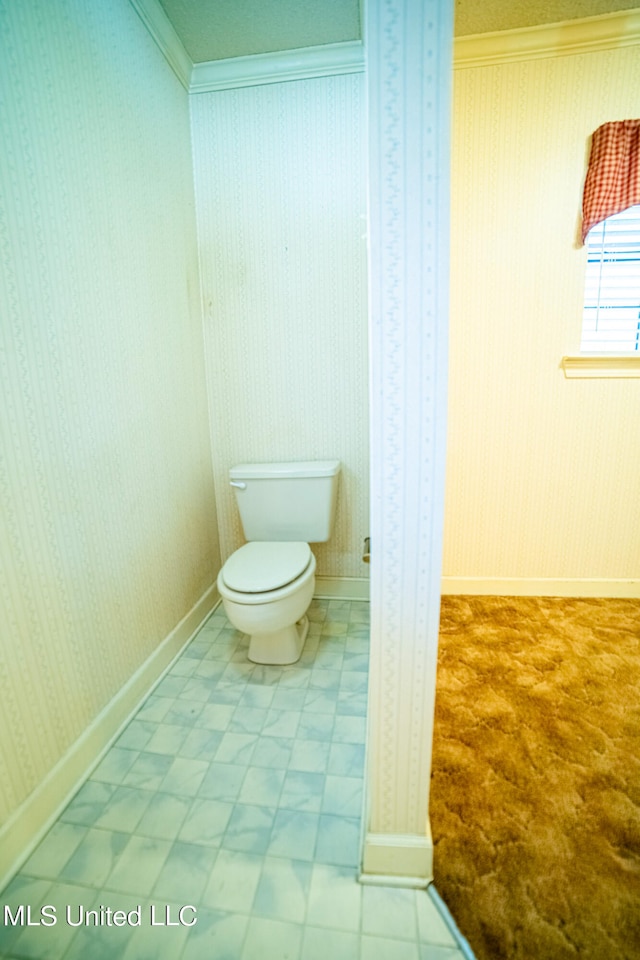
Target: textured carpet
x=535 y=803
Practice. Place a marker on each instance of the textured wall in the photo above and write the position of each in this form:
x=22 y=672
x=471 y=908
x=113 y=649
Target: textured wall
x=280 y=188
x=107 y=534
x=542 y=474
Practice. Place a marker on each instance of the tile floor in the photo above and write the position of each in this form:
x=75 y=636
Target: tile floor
x=236 y=790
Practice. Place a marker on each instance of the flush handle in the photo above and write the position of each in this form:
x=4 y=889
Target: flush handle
x=239 y=484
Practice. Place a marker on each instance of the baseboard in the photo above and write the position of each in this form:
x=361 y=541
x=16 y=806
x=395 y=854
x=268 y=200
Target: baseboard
x=401 y=860
x=542 y=587
x=28 y=824
x=342 y=588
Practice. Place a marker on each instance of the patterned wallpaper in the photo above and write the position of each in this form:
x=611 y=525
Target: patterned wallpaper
x=107 y=526
x=542 y=476
x=281 y=203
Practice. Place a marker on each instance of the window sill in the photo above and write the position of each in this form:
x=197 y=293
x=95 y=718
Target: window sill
x=601 y=366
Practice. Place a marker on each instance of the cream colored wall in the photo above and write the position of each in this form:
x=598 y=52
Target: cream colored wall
x=107 y=527
x=280 y=187
x=542 y=480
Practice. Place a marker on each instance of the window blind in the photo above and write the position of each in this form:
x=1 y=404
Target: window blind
x=611 y=318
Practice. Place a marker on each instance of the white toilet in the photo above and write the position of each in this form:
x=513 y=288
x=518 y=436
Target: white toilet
x=267 y=585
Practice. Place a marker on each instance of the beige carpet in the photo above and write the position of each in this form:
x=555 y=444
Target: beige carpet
x=535 y=803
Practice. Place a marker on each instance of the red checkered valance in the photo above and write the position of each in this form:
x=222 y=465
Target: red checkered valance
x=613 y=177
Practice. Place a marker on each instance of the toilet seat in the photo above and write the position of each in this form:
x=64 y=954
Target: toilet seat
x=261 y=567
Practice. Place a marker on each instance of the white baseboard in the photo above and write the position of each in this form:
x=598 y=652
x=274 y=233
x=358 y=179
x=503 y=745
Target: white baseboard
x=28 y=824
x=401 y=860
x=541 y=587
x=342 y=588
x=357 y=588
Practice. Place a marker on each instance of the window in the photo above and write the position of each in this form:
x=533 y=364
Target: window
x=611 y=317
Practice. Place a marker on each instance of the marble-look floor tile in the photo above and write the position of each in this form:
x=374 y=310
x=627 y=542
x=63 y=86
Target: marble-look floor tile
x=218 y=935
x=236 y=748
x=185 y=776
x=124 y=809
x=201 y=686
x=294 y=834
x=184 y=874
x=206 y=822
x=272 y=752
x=148 y=771
x=201 y=744
x=50 y=942
x=281 y=723
x=302 y=791
x=54 y=851
x=115 y=765
x=248 y=719
x=170 y=686
x=136 y=735
x=339 y=610
x=342 y=796
x=89 y=803
x=290 y=698
x=335 y=898
x=233 y=881
x=272 y=938
x=324 y=679
x=161 y=936
x=389 y=912
x=237 y=787
x=107 y=942
x=249 y=829
x=338 y=841
x=356 y=662
x=431 y=926
x=283 y=890
x=315 y=726
x=164 y=816
x=184 y=712
x=154 y=708
x=346 y=759
x=168 y=738
x=320 y=943
x=383 y=948
x=216 y=716
x=21 y=891
x=310 y=756
x=349 y=730
x=222 y=781
x=256 y=696
x=321 y=700
x=430 y=952
x=262 y=786
x=94 y=857
x=138 y=865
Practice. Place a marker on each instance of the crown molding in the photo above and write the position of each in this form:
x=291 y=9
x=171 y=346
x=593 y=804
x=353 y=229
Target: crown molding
x=607 y=32
x=161 y=30
x=590 y=34
x=326 y=60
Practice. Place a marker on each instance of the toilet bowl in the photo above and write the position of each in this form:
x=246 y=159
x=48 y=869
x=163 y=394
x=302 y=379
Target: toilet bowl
x=266 y=588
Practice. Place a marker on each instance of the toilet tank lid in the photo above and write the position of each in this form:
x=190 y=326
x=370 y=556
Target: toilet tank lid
x=302 y=468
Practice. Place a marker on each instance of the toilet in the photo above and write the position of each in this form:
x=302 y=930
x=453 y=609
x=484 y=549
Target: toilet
x=267 y=585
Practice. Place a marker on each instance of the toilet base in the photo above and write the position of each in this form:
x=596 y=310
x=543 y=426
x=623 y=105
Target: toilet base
x=281 y=646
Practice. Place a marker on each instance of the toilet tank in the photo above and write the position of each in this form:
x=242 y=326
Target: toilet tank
x=287 y=501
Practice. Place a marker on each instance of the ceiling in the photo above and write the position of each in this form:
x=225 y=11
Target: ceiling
x=221 y=29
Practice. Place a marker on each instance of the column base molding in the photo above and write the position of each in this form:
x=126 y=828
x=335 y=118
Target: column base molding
x=400 y=860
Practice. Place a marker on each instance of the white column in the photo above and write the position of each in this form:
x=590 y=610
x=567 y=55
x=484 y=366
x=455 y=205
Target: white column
x=409 y=64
